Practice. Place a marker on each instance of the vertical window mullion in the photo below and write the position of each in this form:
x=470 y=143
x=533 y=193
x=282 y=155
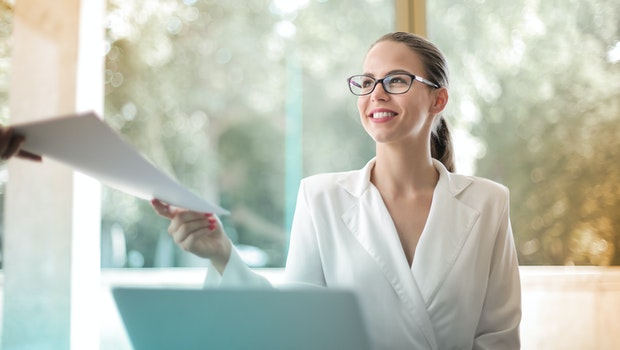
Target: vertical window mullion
x=411 y=16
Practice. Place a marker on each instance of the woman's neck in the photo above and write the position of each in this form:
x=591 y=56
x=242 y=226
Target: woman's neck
x=399 y=171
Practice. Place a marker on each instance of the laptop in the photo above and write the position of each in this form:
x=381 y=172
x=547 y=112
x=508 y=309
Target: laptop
x=231 y=319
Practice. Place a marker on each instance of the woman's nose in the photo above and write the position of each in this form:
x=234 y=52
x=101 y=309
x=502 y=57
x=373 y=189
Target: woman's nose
x=379 y=93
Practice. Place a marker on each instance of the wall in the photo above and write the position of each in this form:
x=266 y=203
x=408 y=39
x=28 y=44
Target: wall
x=571 y=308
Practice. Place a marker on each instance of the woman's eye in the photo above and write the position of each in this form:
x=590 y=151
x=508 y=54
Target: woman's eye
x=397 y=80
x=367 y=82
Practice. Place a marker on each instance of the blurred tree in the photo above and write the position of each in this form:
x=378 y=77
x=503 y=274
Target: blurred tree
x=201 y=88
x=541 y=92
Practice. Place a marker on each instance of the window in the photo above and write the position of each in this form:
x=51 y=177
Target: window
x=237 y=100
x=536 y=84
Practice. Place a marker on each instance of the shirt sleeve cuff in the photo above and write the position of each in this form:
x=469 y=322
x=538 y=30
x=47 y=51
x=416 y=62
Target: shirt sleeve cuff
x=236 y=274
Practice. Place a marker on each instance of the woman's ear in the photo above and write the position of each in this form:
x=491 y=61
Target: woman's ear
x=440 y=100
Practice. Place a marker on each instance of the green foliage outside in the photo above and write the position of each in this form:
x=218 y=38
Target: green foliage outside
x=208 y=89
x=538 y=84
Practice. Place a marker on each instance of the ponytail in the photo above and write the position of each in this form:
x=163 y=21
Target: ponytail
x=441 y=145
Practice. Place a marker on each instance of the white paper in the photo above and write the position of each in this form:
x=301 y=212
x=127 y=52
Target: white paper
x=87 y=144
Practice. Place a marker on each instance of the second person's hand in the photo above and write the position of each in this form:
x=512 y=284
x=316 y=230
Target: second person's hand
x=198 y=233
x=11 y=143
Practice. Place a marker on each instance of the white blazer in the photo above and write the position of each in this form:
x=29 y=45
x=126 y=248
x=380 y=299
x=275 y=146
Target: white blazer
x=463 y=288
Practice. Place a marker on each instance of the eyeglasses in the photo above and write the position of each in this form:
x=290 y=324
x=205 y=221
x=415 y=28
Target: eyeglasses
x=400 y=83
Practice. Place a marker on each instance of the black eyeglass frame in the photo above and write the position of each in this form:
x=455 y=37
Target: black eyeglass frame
x=383 y=83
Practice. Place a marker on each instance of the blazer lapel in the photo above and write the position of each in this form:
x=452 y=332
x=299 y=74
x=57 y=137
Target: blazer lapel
x=370 y=223
x=448 y=225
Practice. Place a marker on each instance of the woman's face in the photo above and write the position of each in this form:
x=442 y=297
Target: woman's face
x=402 y=118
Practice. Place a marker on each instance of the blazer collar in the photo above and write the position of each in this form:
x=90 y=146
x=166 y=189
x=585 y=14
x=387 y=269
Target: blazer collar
x=357 y=182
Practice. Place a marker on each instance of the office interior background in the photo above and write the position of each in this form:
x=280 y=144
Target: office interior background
x=239 y=100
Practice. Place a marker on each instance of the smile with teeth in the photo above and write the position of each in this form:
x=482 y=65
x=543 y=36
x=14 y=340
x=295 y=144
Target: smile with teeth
x=378 y=115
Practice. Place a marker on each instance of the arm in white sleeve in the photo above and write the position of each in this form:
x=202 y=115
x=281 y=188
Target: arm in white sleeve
x=303 y=265
x=236 y=274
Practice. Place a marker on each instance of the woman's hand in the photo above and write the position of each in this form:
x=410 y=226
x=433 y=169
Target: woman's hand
x=10 y=145
x=198 y=233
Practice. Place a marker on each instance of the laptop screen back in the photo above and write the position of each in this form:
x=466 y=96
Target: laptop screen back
x=299 y=319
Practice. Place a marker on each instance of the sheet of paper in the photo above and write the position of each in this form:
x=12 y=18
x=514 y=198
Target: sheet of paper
x=87 y=144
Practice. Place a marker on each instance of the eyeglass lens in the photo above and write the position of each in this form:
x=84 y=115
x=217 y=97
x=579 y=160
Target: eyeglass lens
x=393 y=84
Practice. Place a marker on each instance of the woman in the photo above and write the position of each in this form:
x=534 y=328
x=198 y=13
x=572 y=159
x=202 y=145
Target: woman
x=430 y=253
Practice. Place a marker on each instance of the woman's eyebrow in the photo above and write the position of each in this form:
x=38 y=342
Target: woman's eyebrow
x=395 y=71
x=398 y=71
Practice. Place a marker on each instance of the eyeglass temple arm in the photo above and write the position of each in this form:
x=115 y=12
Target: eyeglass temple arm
x=427 y=82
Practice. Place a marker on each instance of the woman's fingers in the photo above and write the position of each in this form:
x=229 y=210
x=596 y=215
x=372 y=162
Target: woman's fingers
x=199 y=234
x=193 y=225
x=187 y=223
x=162 y=208
x=195 y=232
x=183 y=217
x=212 y=220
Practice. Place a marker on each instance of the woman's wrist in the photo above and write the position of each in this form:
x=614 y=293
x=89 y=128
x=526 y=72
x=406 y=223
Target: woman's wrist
x=221 y=260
